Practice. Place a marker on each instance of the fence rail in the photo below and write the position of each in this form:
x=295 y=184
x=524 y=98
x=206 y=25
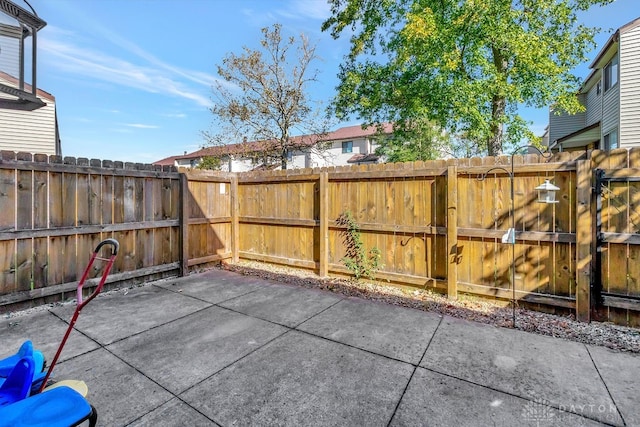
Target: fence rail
x=437 y=225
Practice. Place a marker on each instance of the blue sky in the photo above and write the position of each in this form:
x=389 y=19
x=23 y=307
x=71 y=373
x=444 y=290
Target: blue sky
x=132 y=78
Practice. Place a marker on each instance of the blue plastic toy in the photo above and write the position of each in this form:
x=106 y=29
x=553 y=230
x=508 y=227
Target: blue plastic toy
x=26 y=350
x=18 y=383
x=58 y=407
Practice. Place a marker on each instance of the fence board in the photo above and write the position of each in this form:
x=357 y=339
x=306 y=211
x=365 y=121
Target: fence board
x=24 y=208
x=40 y=263
x=8 y=272
x=40 y=199
x=565 y=254
x=23 y=264
x=83 y=194
x=69 y=198
x=55 y=263
x=118 y=199
x=95 y=199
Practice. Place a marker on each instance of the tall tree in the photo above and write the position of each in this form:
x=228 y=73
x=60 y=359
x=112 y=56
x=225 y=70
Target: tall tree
x=263 y=97
x=418 y=140
x=466 y=64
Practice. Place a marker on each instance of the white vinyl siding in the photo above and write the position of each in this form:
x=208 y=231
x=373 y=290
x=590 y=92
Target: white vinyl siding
x=28 y=131
x=564 y=124
x=630 y=88
x=610 y=109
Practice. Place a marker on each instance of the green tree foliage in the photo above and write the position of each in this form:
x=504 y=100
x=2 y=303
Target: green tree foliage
x=263 y=96
x=419 y=140
x=210 y=163
x=466 y=64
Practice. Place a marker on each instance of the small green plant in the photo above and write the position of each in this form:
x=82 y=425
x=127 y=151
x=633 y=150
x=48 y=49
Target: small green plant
x=358 y=260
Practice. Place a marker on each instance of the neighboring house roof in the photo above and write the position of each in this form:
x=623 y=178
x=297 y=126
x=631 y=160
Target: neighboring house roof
x=245 y=148
x=364 y=158
x=350 y=132
x=167 y=161
x=580 y=137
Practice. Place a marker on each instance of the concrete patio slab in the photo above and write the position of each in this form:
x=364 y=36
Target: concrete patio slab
x=173 y=413
x=621 y=373
x=434 y=399
x=223 y=288
x=527 y=365
x=397 y=332
x=172 y=359
x=45 y=330
x=299 y=380
x=119 y=392
x=119 y=315
x=285 y=305
x=180 y=354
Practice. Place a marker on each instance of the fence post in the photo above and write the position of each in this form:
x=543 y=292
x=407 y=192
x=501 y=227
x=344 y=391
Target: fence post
x=452 y=231
x=583 y=240
x=324 y=224
x=235 y=220
x=184 y=224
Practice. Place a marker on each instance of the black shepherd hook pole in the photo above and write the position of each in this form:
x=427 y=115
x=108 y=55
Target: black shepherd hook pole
x=511 y=233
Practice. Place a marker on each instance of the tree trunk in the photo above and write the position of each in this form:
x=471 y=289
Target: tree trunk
x=498 y=104
x=494 y=145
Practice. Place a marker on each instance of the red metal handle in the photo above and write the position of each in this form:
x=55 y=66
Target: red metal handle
x=114 y=252
x=81 y=304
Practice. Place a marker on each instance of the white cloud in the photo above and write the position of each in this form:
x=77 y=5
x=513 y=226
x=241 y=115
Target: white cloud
x=175 y=115
x=141 y=126
x=295 y=10
x=154 y=76
x=307 y=9
x=97 y=65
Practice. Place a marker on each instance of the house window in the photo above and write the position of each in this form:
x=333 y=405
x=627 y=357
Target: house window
x=289 y=155
x=598 y=88
x=347 y=147
x=611 y=140
x=611 y=74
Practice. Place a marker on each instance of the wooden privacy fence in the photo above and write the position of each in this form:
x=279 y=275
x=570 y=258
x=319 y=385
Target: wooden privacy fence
x=54 y=211
x=617 y=235
x=438 y=226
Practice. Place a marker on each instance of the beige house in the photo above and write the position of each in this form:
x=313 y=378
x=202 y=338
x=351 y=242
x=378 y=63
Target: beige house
x=32 y=131
x=345 y=146
x=611 y=97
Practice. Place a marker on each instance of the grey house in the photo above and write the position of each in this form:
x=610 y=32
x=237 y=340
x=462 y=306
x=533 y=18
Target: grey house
x=611 y=96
